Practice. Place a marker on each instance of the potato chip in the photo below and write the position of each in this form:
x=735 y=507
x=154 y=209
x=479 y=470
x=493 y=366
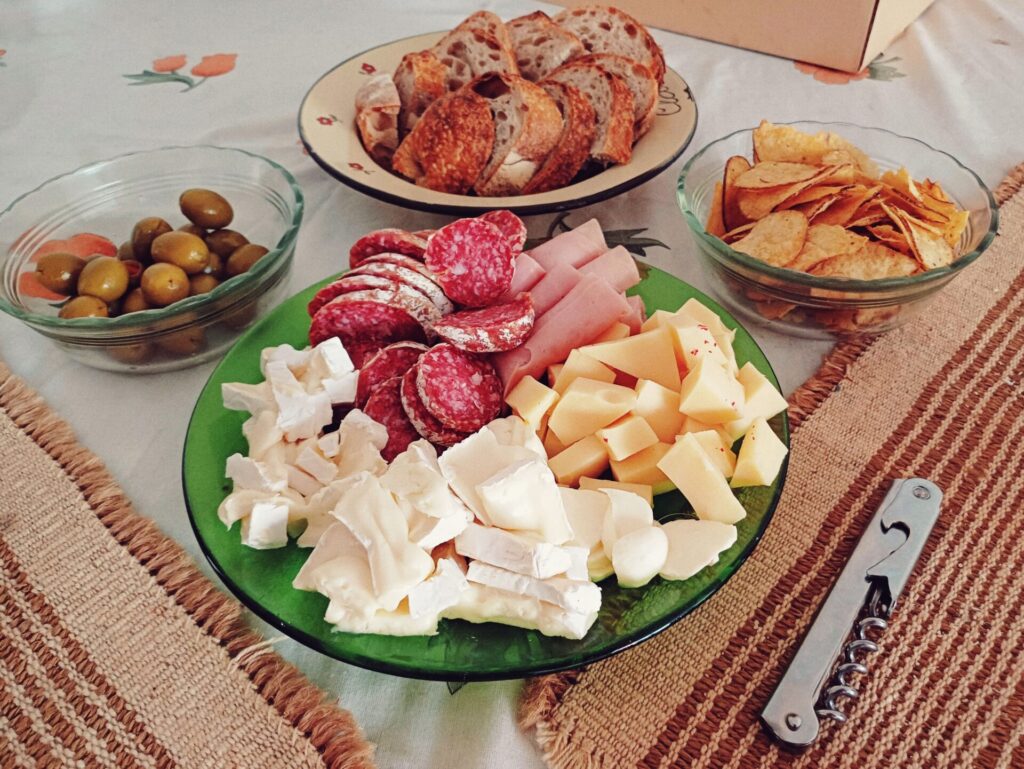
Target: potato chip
x=738 y=232
x=758 y=203
x=872 y=262
x=900 y=180
x=785 y=143
x=955 y=227
x=846 y=205
x=776 y=239
x=810 y=195
x=775 y=174
x=835 y=240
x=715 y=226
x=889 y=236
x=930 y=249
x=731 y=215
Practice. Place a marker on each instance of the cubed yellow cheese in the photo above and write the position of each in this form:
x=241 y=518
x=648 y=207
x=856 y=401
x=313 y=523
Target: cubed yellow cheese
x=694 y=313
x=579 y=364
x=640 y=489
x=532 y=401
x=586 y=457
x=553 y=371
x=648 y=355
x=761 y=456
x=687 y=465
x=642 y=467
x=657 y=320
x=614 y=331
x=552 y=445
x=719 y=452
x=586 y=406
x=710 y=393
x=626 y=436
x=760 y=397
x=691 y=425
x=659 y=406
x=696 y=342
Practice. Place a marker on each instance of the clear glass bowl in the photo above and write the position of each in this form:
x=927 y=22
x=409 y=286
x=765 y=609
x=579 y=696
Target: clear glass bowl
x=818 y=307
x=107 y=198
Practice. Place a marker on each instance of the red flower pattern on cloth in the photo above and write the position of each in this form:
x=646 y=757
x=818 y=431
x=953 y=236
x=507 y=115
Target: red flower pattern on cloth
x=167 y=70
x=169 y=63
x=3 y=52
x=367 y=68
x=84 y=244
x=215 y=65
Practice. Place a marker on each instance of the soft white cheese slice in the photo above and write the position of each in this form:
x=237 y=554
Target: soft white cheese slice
x=329 y=444
x=359 y=428
x=581 y=596
x=313 y=462
x=295 y=360
x=578 y=568
x=303 y=415
x=524 y=496
x=627 y=512
x=329 y=360
x=439 y=591
x=336 y=542
x=341 y=389
x=396 y=563
x=586 y=511
x=414 y=476
x=428 y=531
x=347 y=581
x=252 y=474
x=516 y=431
x=480 y=603
x=639 y=555
x=238 y=504
x=261 y=432
x=254 y=398
x=515 y=552
x=395 y=623
x=266 y=527
x=694 y=545
x=301 y=481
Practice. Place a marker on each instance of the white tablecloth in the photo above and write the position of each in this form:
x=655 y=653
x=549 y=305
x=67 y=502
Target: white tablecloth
x=953 y=80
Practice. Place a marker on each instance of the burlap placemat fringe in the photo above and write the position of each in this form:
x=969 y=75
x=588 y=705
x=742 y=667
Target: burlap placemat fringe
x=331 y=730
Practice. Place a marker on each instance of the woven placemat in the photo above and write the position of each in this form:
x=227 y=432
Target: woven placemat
x=941 y=398
x=114 y=650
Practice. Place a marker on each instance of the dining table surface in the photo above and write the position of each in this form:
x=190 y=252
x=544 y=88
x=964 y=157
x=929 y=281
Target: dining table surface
x=73 y=90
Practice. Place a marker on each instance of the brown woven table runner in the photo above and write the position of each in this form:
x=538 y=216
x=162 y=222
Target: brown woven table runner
x=114 y=650
x=941 y=398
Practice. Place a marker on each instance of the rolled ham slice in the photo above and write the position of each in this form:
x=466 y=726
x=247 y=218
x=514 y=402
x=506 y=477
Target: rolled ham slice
x=635 y=315
x=559 y=281
x=617 y=266
x=576 y=247
x=527 y=274
x=581 y=315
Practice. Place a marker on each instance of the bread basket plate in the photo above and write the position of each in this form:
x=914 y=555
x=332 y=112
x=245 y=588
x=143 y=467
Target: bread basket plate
x=327 y=126
x=460 y=651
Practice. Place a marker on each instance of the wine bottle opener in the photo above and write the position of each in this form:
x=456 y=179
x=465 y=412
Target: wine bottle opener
x=857 y=607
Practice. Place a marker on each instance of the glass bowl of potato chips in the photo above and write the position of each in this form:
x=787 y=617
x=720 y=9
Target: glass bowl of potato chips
x=826 y=229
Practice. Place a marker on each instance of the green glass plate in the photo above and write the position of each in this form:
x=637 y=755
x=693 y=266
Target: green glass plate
x=461 y=651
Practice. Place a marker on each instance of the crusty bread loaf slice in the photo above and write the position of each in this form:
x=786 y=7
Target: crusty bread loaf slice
x=419 y=79
x=470 y=52
x=450 y=144
x=541 y=46
x=603 y=29
x=490 y=23
x=579 y=125
x=377 y=107
x=641 y=82
x=612 y=101
x=527 y=125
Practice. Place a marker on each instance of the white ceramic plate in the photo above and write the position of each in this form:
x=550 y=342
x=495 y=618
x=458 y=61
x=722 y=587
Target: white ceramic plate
x=327 y=128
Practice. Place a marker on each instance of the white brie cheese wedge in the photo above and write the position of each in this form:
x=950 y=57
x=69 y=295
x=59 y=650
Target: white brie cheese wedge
x=427 y=531
x=347 y=581
x=524 y=496
x=341 y=389
x=251 y=474
x=266 y=527
x=578 y=596
x=515 y=431
x=639 y=555
x=313 y=462
x=295 y=360
x=261 y=432
x=358 y=428
x=578 y=568
x=336 y=542
x=515 y=552
x=693 y=545
x=480 y=603
x=439 y=591
x=414 y=476
x=328 y=360
x=586 y=511
x=254 y=398
x=396 y=623
x=302 y=482
x=329 y=444
x=627 y=512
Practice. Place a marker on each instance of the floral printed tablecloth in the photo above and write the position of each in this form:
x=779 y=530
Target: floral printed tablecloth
x=86 y=80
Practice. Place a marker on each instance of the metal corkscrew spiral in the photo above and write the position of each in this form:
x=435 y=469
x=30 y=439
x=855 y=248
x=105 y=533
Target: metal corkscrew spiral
x=841 y=686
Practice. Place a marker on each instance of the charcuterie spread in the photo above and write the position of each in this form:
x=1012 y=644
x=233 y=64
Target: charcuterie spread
x=489 y=448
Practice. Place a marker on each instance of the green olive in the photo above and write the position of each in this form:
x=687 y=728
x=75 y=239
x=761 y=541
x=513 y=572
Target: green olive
x=202 y=284
x=192 y=229
x=134 y=301
x=84 y=307
x=105 y=277
x=59 y=272
x=131 y=353
x=185 y=342
x=164 y=284
x=206 y=208
x=125 y=251
x=182 y=249
x=215 y=267
x=242 y=259
x=225 y=242
x=144 y=233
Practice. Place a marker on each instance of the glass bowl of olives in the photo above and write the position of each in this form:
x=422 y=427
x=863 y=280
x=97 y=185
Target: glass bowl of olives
x=154 y=260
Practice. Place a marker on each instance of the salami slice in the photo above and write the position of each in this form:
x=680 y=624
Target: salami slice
x=389 y=362
x=496 y=328
x=364 y=326
x=356 y=281
x=511 y=226
x=379 y=267
x=472 y=260
x=409 y=300
x=424 y=233
x=385 y=407
x=384 y=241
x=460 y=389
x=424 y=422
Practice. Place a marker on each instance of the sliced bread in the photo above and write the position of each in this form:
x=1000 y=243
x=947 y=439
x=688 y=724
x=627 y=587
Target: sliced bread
x=450 y=144
x=377 y=108
x=490 y=23
x=579 y=125
x=540 y=45
x=603 y=29
x=527 y=125
x=612 y=101
x=470 y=52
x=641 y=82
x=419 y=79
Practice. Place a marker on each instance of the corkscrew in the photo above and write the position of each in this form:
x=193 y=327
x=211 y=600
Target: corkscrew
x=845 y=630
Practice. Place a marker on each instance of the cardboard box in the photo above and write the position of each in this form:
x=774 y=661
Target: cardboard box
x=842 y=34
